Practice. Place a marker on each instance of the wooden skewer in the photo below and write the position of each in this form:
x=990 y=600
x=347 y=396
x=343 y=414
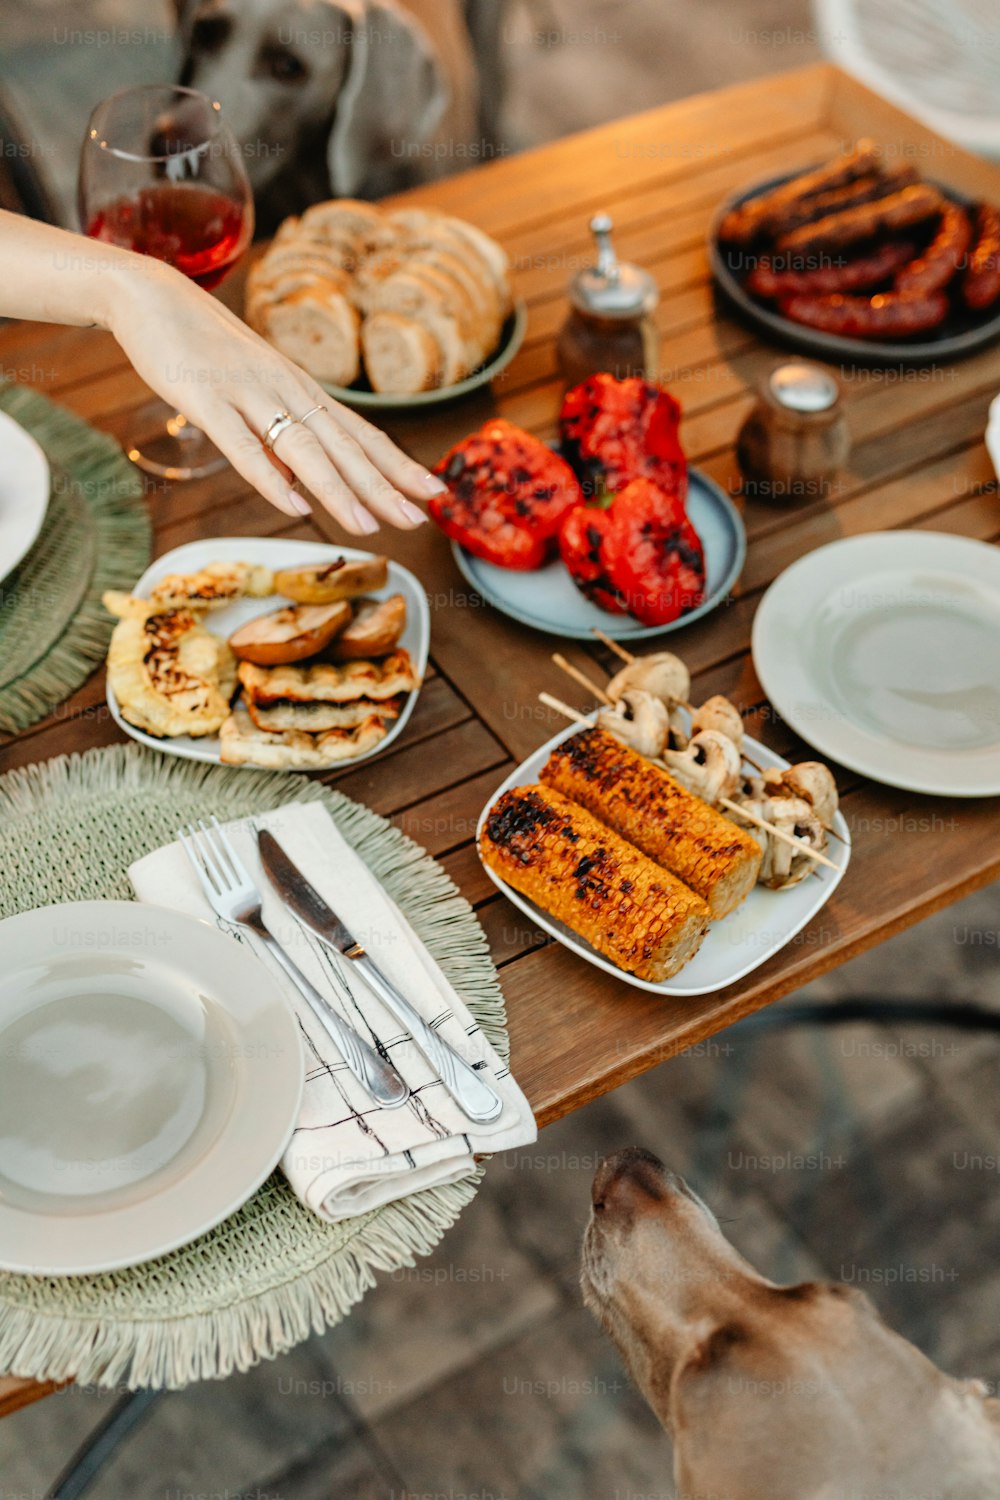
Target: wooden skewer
x=581 y=678
x=619 y=651
x=627 y=656
x=777 y=833
x=562 y=708
x=744 y=812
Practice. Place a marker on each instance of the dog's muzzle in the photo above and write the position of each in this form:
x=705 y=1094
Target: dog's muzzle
x=630 y=1175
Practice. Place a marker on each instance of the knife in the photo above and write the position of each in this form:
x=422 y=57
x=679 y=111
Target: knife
x=470 y=1091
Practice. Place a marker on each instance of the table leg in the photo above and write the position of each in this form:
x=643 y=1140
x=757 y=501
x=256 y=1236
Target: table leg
x=87 y=1462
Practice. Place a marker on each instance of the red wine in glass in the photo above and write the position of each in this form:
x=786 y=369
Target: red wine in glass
x=161 y=174
x=199 y=231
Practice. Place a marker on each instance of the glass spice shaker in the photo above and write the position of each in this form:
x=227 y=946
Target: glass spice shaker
x=796 y=438
x=610 y=325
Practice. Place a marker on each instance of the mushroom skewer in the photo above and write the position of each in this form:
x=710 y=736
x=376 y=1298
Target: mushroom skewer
x=640 y=718
x=637 y=724
x=641 y=721
x=716 y=713
x=811 y=782
x=709 y=766
x=669 y=666
x=739 y=809
x=661 y=673
x=781 y=866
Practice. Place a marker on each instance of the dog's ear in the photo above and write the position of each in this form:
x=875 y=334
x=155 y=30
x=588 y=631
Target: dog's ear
x=183 y=11
x=395 y=92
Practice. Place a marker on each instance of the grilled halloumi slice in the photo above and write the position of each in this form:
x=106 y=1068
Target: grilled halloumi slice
x=213 y=586
x=169 y=675
x=329 y=683
x=243 y=744
x=316 y=718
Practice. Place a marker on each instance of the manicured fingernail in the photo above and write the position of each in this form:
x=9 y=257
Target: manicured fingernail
x=433 y=485
x=412 y=512
x=298 y=502
x=365 y=522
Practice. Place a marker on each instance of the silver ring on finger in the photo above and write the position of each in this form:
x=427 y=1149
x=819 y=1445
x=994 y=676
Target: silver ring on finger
x=278 y=424
x=311 y=413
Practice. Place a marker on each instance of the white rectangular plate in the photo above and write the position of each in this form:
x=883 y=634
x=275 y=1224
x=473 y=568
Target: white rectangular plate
x=277 y=553
x=736 y=945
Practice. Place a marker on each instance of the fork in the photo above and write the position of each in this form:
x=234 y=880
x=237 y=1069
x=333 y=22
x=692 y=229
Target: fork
x=232 y=895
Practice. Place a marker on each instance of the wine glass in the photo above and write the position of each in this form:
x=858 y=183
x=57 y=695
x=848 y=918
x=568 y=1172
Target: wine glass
x=162 y=174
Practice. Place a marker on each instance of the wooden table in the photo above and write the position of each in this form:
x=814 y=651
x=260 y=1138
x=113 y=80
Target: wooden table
x=918 y=461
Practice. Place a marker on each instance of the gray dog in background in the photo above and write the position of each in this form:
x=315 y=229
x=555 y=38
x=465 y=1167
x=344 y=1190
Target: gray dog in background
x=771 y=1392
x=337 y=98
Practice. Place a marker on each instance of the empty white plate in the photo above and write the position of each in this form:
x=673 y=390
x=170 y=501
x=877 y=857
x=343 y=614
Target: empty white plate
x=24 y=493
x=737 y=944
x=278 y=553
x=883 y=651
x=150 y=1078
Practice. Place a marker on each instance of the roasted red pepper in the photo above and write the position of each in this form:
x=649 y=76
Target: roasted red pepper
x=629 y=547
x=653 y=554
x=508 y=494
x=614 y=431
x=581 y=546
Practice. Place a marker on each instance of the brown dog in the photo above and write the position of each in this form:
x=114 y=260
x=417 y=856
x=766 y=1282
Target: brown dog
x=337 y=97
x=771 y=1392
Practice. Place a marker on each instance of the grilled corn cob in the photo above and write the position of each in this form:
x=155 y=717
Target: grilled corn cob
x=628 y=908
x=709 y=853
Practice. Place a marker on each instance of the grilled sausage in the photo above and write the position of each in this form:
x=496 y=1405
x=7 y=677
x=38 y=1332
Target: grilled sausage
x=886 y=315
x=981 y=282
x=573 y=867
x=647 y=806
x=743 y=224
x=939 y=263
x=911 y=205
x=770 y=279
x=785 y=218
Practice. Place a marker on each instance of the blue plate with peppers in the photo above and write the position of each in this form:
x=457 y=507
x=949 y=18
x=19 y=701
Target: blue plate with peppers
x=608 y=529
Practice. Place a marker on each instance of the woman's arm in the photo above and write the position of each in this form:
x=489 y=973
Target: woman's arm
x=199 y=356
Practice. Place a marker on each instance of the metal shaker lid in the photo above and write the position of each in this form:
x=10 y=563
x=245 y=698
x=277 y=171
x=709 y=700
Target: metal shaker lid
x=803 y=387
x=612 y=288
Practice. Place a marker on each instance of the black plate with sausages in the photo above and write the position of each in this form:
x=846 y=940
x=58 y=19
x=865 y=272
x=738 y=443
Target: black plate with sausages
x=961 y=333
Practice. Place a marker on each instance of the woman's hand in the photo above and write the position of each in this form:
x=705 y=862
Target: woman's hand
x=201 y=358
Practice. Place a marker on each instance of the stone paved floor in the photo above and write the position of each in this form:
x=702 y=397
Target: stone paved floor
x=478 y=1373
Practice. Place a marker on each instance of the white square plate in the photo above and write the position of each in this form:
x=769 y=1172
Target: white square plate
x=277 y=553
x=736 y=945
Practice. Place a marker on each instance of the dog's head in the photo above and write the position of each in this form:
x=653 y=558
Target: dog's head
x=783 y=1391
x=686 y=1310
x=653 y=1260
x=359 y=76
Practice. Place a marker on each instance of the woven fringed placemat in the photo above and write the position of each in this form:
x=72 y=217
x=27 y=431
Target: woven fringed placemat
x=96 y=536
x=273 y=1272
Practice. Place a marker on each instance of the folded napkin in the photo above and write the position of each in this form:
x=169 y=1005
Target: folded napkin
x=347 y=1154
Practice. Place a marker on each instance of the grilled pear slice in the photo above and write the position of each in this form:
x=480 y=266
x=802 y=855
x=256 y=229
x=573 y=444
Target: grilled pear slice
x=291 y=634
